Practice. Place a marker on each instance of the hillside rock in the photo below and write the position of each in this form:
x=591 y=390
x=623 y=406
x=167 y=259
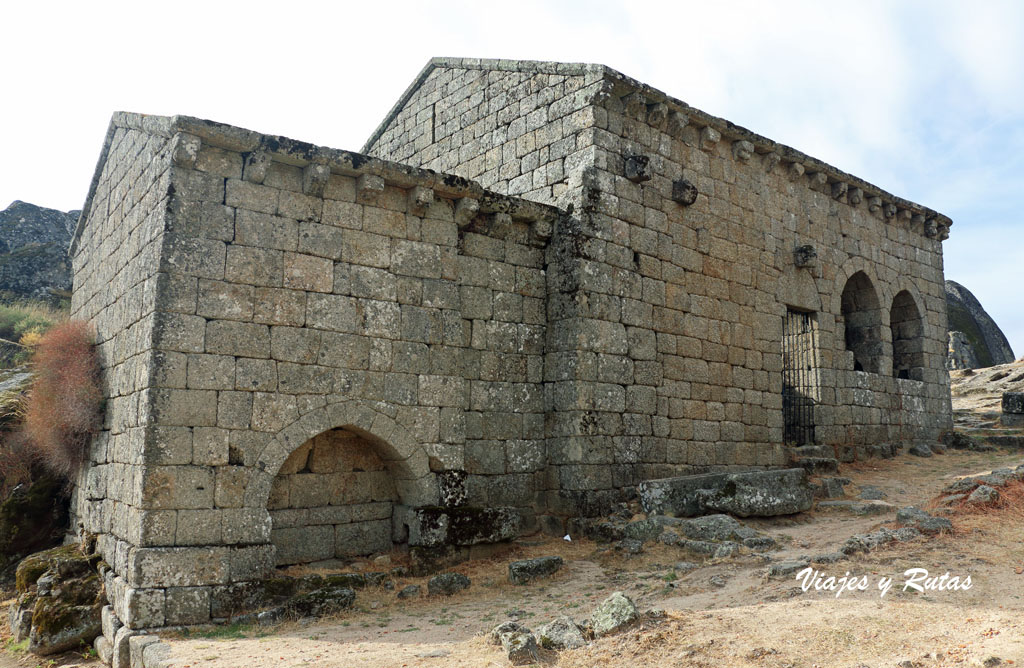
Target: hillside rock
x=975 y=341
x=34 y=251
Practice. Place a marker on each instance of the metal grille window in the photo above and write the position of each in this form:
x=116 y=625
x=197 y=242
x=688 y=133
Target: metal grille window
x=799 y=376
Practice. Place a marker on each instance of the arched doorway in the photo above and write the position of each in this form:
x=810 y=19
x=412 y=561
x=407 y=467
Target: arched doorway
x=333 y=497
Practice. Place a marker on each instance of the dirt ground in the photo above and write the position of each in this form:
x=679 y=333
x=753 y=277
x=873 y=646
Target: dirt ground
x=728 y=612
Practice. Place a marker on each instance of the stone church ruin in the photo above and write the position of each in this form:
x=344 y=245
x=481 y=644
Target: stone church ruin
x=538 y=285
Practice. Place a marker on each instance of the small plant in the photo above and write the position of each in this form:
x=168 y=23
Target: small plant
x=65 y=401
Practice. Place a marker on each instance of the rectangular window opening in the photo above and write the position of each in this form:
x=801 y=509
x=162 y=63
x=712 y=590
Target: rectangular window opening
x=800 y=377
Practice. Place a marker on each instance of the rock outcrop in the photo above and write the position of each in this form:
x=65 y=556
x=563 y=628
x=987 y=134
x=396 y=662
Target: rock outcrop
x=34 y=242
x=975 y=341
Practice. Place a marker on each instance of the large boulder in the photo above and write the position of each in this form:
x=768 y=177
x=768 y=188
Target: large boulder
x=975 y=341
x=60 y=600
x=614 y=614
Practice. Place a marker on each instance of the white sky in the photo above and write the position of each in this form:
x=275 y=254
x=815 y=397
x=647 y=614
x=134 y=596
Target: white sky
x=924 y=99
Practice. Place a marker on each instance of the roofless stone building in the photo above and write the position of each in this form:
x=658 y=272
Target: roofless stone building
x=538 y=285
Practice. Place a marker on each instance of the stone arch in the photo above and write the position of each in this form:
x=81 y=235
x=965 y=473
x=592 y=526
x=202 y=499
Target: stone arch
x=862 y=315
x=906 y=322
x=357 y=504
x=405 y=458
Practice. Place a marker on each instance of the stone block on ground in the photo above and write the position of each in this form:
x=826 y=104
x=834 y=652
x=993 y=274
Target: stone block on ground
x=863 y=508
x=521 y=648
x=754 y=493
x=561 y=633
x=322 y=602
x=521 y=572
x=446 y=584
x=983 y=494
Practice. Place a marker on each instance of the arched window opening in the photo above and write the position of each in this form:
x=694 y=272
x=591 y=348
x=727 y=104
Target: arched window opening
x=907 y=338
x=862 y=315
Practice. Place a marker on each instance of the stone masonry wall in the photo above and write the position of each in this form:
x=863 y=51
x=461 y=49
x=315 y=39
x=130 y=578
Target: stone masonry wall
x=125 y=226
x=666 y=312
x=253 y=295
x=514 y=131
x=295 y=297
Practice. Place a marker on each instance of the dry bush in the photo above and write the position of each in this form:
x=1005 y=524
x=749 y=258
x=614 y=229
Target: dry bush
x=65 y=401
x=1009 y=506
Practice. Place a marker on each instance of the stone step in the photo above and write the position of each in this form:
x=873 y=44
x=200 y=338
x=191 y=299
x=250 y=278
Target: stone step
x=1004 y=440
x=812 y=451
x=817 y=464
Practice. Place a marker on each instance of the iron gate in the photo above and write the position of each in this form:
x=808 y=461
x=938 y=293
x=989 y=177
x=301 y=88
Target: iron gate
x=799 y=377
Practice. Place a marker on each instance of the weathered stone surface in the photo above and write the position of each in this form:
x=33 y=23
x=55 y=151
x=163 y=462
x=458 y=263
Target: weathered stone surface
x=975 y=341
x=33 y=251
x=1013 y=403
x=446 y=584
x=521 y=648
x=63 y=590
x=614 y=614
x=920 y=450
x=521 y=572
x=561 y=633
x=322 y=602
x=858 y=507
x=758 y=493
x=983 y=494
x=788 y=567
x=462 y=526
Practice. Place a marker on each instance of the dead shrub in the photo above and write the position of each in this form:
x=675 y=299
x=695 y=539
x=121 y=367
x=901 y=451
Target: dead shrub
x=65 y=401
x=1009 y=505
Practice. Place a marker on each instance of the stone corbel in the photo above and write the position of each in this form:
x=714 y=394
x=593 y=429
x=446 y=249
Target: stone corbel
x=657 y=114
x=256 y=164
x=185 y=150
x=839 y=188
x=854 y=196
x=770 y=161
x=796 y=170
x=677 y=122
x=420 y=198
x=875 y=204
x=742 y=150
x=369 y=188
x=636 y=106
x=709 y=138
x=819 y=180
x=465 y=211
x=314 y=179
